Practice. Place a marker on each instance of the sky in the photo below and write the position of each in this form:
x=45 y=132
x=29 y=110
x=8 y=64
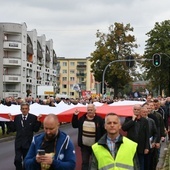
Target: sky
x=72 y=24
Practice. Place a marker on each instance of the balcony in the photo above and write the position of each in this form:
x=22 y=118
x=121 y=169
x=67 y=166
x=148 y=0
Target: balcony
x=81 y=67
x=58 y=75
x=13 y=45
x=11 y=61
x=47 y=57
x=13 y=78
x=29 y=49
x=40 y=62
x=81 y=74
x=14 y=94
x=54 y=60
x=39 y=53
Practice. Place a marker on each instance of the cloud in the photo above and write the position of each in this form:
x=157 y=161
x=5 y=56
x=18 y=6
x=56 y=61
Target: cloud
x=73 y=24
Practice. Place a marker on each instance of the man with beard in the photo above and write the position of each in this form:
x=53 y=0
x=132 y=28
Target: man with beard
x=57 y=150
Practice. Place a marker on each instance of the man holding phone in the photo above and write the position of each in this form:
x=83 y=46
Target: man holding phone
x=52 y=149
x=41 y=152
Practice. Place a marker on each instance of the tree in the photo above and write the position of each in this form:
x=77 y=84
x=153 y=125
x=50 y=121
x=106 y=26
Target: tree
x=159 y=42
x=117 y=44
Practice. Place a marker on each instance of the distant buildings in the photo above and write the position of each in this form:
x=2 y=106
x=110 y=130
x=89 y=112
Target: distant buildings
x=138 y=85
x=75 y=76
x=28 y=61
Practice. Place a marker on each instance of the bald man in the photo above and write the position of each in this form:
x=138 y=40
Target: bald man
x=137 y=130
x=57 y=150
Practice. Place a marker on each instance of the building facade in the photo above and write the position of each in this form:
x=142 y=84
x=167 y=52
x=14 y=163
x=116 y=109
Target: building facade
x=26 y=61
x=75 y=77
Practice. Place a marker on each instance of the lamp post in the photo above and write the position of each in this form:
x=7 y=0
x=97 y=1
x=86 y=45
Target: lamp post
x=103 y=77
x=115 y=61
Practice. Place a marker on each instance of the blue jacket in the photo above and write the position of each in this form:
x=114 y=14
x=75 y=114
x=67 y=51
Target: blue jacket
x=63 y=159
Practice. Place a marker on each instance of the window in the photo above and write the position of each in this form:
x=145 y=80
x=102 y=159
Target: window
x=64 y=78
x=64 y=86
x=71 y=86
x=64 y=63
x=71 y=78
x=64 y=71
x=72 y=71
x=82 y=80
x=71 y=93
x=72 y=63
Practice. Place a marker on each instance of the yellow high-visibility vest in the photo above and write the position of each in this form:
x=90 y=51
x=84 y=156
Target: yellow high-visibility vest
x=123 y=160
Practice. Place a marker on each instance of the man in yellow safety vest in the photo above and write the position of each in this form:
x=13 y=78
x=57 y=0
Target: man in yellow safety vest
x=114 y=151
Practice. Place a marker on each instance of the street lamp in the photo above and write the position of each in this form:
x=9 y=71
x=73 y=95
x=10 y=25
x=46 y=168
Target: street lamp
x=129 y=59
x=103 y=77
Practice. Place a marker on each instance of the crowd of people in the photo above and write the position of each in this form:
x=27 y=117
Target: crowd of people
x=104 y=143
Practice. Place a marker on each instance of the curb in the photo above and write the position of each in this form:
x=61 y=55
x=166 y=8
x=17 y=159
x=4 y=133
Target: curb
x=5 y=139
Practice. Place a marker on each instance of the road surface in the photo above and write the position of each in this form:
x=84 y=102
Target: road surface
x=7 y=150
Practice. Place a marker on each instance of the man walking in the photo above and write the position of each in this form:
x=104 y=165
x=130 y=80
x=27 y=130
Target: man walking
x=137 y=130
x=114 y=151
x=90 y=130
x=52 y=149
x=24 y=125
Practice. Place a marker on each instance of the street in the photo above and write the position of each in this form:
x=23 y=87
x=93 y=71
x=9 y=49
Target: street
x=7 y=150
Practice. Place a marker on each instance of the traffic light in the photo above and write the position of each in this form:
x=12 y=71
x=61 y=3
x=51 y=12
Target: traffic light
x=130 y=61
x=156 y=60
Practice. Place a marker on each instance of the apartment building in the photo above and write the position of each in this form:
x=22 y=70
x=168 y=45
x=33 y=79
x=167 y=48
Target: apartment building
x=75 y=76
x=26 y=61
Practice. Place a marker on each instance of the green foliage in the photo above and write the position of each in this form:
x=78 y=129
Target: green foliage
x=115 y=45
x=158 y=42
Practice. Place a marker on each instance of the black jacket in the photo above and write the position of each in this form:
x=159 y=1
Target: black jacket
x=24 y=134
x=139 y=134
x=78 y=123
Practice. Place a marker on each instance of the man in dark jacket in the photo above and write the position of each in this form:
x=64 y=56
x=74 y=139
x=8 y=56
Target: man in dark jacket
x=24 y=125
x=90 y=130
x=137 y=130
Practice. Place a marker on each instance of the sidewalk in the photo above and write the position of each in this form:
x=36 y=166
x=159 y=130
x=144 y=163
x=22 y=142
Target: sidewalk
x=163 y=154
